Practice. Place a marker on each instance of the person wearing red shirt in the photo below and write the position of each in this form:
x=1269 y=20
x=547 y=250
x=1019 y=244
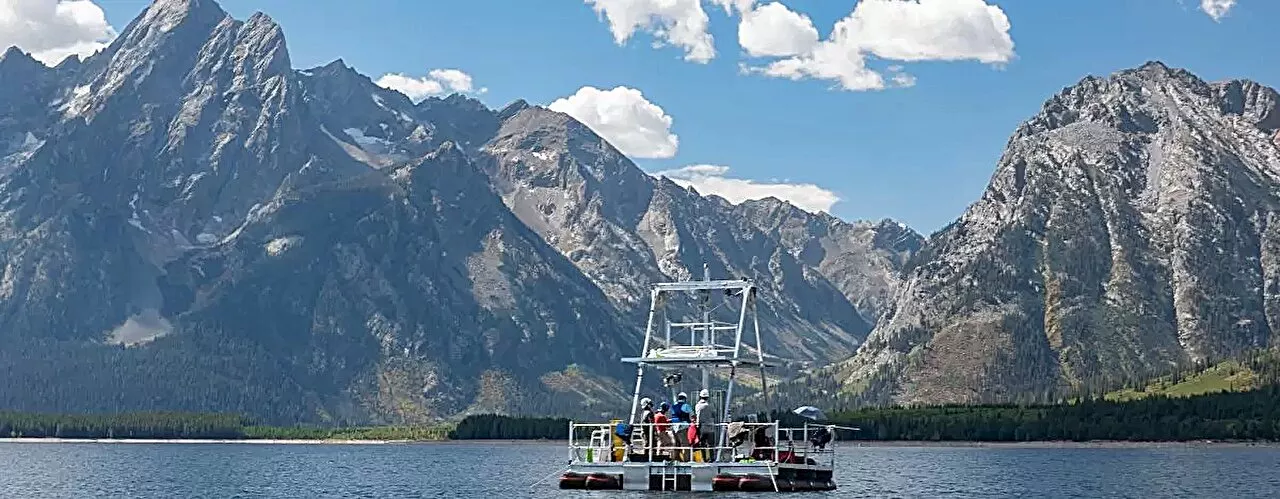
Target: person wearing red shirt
x=662 y=427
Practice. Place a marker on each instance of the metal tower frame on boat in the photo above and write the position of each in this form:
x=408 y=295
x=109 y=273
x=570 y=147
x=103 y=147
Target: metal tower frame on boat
x=701 y=351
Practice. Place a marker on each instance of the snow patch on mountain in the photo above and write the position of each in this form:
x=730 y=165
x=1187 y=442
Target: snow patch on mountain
x=18 y=151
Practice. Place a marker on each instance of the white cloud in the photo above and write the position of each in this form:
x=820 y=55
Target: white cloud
x=437 y=82
x=932 y=30
x=837 y=59
x=1217 y=9
x=51 y=30
x=775 y=30
x=637 y=127
x=452 y=79
x=732 y=6
x=901 y=79
x=901 y=30
x=893 y=30
x=711 y=179
x=682 y=23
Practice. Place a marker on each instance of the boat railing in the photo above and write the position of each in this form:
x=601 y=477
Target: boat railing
x=668 y=442
x=798 y=446
x=650 y=442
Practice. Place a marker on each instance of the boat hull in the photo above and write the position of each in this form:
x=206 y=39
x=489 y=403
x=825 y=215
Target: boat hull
x=710 y=477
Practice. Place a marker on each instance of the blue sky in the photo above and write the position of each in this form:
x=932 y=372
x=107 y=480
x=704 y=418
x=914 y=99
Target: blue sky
x=919 y=154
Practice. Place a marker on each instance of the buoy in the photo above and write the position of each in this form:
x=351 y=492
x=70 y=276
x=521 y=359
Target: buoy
x=602 y=481
x=755 y=483
x=573 y=481
x=829 y=485
x=724 y=483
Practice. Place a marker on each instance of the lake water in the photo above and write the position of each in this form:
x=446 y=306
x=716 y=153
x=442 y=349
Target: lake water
x=499 y=470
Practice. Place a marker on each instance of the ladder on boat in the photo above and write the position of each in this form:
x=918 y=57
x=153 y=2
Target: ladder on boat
x=670 y=477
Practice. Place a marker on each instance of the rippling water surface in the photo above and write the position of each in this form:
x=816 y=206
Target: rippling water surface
x=501 y=470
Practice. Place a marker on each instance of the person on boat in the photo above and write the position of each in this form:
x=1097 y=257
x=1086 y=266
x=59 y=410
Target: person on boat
x=646 y=421
x=763 y=448
x=705 y=423
x=662 y=428
x=821 y=438
x=681 y=414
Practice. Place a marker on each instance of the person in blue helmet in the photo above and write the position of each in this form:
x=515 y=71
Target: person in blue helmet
x=681 y=414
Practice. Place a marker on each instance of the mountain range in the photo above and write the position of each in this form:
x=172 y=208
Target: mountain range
x=190 y=223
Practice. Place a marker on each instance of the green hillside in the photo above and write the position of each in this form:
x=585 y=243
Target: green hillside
x=1249 y=373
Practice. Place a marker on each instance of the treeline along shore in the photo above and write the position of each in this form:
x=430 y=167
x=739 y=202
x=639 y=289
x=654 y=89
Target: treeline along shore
x=1240 y=416
x=1244 y=416
x=193 y=426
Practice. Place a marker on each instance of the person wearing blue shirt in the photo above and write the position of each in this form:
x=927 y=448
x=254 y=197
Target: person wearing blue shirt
x=681 y=411
x=680 y=418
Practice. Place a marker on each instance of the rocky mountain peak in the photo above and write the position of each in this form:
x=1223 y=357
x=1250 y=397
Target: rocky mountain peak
x=773 y=207
x=16 y=65
x=168 y=14
x=1143 y=99
x=263 y=39
x=445 y=178
x=457 y=101
x=1252 y=100
x=338 y=69
x=512 y=109
x=69 y=65
x=863 y=259
x=191 y=21
x=541 y=148
x=339 y=85
x=447 y=154
x=536 y=125
x=896 y=236
x=1130 y=226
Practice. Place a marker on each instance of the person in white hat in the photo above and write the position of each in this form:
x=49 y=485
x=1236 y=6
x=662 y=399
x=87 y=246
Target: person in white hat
x=705 y=421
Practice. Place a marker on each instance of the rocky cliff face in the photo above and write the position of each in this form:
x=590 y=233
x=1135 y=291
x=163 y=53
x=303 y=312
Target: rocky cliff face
x=1130 y=226
x=162 y=142
x=194 y=225
x=406 y=289
x=863 y=259
x=626 y=230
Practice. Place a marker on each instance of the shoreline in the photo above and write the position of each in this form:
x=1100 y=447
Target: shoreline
x=1046 y=444
x=1059 y=444
x=260 y=441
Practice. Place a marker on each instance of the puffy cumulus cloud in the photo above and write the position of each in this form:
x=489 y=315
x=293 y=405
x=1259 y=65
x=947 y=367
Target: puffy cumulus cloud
x=901 y=30
x=1217 y=9
x=775 y=30
x=837 y=59
x=436 y=82
x=713 y=179
x=452 y=79
x=625 y=118
x=682 y=23
x=52 y=30
x=932 y=30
